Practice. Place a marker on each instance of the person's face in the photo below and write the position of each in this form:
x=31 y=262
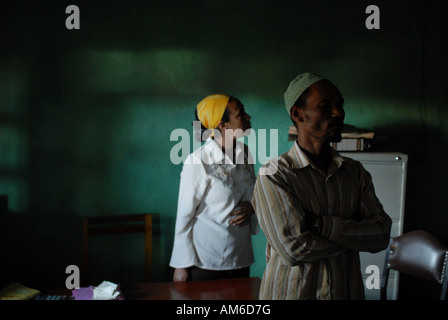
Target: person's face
x=323 y=116
x=238 y=118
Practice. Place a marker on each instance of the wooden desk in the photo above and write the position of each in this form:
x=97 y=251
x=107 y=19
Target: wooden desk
x=229 y=289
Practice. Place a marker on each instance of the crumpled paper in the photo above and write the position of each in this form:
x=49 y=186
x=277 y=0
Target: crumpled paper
x=106 y=291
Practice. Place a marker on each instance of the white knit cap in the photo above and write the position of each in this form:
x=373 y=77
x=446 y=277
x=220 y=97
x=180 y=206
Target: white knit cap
x=298 y=86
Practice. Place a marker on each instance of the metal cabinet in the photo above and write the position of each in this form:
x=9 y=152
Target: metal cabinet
x=388 y=172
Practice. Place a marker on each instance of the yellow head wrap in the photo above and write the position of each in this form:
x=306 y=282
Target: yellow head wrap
x=211 y=109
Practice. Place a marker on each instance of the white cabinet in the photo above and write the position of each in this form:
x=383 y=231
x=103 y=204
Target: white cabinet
x=388 y=172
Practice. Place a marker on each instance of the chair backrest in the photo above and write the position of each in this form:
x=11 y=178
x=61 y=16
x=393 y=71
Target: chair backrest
x=419 y=254
x=131 y=223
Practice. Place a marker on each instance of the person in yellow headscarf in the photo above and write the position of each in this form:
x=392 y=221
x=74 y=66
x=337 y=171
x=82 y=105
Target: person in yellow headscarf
x=215 y=219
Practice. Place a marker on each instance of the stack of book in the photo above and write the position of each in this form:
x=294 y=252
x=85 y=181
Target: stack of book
x=353 y=139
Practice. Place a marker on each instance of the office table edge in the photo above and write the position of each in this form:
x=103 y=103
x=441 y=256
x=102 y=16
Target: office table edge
x=226 y=289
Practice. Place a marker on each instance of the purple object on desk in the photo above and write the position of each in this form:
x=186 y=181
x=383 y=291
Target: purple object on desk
x=83 y=293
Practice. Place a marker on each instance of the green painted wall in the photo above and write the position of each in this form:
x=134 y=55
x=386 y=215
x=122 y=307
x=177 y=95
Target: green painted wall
x=86 y=115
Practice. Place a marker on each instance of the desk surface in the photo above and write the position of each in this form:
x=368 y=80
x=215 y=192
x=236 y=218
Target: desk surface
x=229 y=289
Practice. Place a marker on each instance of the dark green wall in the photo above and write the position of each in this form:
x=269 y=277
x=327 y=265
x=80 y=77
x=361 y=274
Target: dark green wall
x=86 y=115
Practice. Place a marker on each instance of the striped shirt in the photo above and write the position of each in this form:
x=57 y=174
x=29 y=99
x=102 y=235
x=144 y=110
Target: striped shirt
x=300 y=264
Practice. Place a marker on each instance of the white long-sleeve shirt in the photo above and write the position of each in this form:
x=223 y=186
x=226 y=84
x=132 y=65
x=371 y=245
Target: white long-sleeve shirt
x=211 y=186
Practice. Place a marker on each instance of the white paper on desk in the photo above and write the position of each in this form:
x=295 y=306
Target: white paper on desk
x=105 y=291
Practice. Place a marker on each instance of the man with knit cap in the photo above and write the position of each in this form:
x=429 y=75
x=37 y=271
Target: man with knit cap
x=318 y=209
